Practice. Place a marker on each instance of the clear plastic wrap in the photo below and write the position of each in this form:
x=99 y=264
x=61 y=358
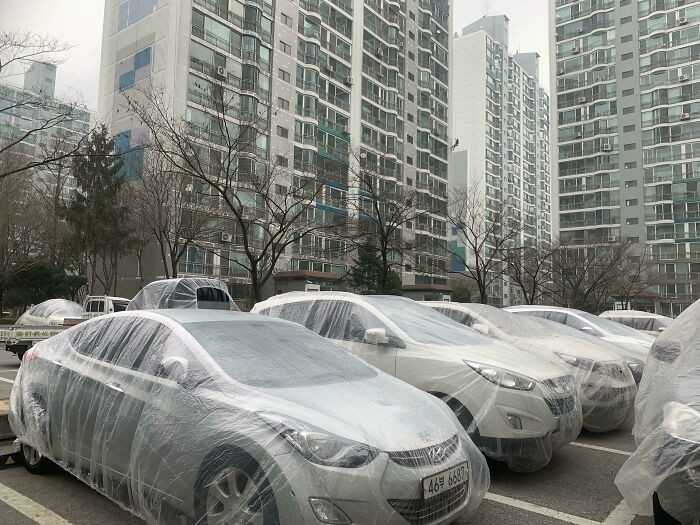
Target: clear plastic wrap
x=185 y=416
x=188 y=292
x=606 y=386
x=50 y=313
x=643 y=321
x=667 y=425
x=517 y=408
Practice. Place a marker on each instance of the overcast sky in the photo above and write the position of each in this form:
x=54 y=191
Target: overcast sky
x=79 y=23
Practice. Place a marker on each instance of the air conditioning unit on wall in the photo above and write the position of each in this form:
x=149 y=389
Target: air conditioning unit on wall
x=226 y=237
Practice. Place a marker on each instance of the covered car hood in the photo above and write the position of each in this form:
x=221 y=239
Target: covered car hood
x=582 y=347
x=382 y=412
x=631 y=348
x=502 y=355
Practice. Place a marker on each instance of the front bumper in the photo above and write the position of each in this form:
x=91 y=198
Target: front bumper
x=383 y=492
x=607 y=408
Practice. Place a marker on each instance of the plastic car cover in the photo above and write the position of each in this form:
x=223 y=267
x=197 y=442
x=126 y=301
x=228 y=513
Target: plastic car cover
x=185 y=416
x=639 y=320
x=480 y=380
x=52 y=311
x=187 y=292
x=667 y=425
x=606 y=386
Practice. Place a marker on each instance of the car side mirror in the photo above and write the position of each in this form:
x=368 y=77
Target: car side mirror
x=482 y=328
x=587 y=329
x=376 y=336
x=174 y=369
x=661 y=329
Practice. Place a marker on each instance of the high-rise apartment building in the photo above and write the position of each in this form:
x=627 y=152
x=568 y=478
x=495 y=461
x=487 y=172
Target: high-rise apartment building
x=501 y=131
x=336 y=86
x=627 y=102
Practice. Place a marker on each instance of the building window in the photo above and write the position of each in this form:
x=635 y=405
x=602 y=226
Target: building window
x=283 y=103
x=627 y=56
x=628 y=92
x=633 y=240
x=411 y=35
x=284 y=75
x=282 y=161
x=625 y=2
x=627 y=74
x=131 y=11
x=409 y=138
x=411 y=77
x=626 y=38
x=409 y=161
x=628 y=110
x=133 y=69
x=630 y=165
x=286 y=19
x=631 y=221
x=409 y=116
x=282 y=132
x=411 y=15
x=631 y=202
x=411 y=56
x=625 y=20
x=631 y=147
x=630 y=184
x=285 y=48
x=411 y=98
x=629 y=128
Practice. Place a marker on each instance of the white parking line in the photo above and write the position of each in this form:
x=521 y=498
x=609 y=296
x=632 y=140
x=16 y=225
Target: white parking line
x=601 y=449
x=621 y=515
x=5 y=380
x=542 y=511
x=30 y=508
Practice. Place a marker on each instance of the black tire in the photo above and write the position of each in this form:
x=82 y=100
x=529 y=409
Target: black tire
x=34 y=462
x=233 y=459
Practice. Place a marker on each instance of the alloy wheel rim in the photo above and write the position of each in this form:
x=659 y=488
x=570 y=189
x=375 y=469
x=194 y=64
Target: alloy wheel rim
x=233 y=498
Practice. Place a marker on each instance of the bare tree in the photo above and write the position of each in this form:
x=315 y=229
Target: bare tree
x=171 y=210
x=382 y=211
x=46 y=114
x=484 y=237
x=261 y=205
x=530 y=269
x=587 y=277
x=635 y=278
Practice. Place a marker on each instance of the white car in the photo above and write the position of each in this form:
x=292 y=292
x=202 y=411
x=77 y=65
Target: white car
x=202 y=416
x=97 y=305
x=606 y=385
x=646 y=322
x=197 y=293
x=517 y=407
x=632 y=344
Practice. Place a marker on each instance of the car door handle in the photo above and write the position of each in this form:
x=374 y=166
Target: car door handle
x=115 y=387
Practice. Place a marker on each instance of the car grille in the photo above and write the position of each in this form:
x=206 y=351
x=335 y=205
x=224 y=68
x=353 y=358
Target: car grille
x=433 y=455
x=560 y=405
x=424 y=512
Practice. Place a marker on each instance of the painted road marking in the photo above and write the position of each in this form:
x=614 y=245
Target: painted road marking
x=601 y=449
x=5 y=380
x=621 y=515
x=542 y=511
x=30 y=508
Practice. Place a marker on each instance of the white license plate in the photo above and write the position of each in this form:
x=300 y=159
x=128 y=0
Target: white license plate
x=444 y=481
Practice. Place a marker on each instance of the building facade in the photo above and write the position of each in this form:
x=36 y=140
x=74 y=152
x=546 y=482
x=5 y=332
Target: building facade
x=627 y=137
x=337 y=86
x=501 y=131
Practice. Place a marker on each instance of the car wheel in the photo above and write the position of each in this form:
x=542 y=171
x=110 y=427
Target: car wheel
x=34 y=462
x=232 y=489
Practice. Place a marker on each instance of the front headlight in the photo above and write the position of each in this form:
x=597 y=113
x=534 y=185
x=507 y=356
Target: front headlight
x=637 y=369
x=502 y=377
x=576 y=362
x=323 y=448
x=682 y=422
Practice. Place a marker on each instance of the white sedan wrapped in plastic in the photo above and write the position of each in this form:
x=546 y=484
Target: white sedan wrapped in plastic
x=197 y=293
x=606 y=385
x=212 y=417
x=517 y=407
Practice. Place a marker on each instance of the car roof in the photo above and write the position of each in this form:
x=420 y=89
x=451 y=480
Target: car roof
x=289 y=297
x=631 y=313
x=188 y=315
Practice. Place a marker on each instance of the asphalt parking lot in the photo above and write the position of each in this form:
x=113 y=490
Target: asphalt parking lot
x=576 y=488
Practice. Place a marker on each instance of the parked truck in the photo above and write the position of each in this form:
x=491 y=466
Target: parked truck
x=51 y=317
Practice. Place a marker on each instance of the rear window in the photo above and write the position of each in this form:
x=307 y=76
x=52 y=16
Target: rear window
x=212 y=299
x=120 y=306
x=277 y=355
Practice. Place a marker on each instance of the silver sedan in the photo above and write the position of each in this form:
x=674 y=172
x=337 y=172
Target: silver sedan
x=226 y=418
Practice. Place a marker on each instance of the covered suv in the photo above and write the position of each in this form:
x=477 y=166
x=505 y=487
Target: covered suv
x=665 y=468
x=189 y=292
x=517 y=407
x=606 y=386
